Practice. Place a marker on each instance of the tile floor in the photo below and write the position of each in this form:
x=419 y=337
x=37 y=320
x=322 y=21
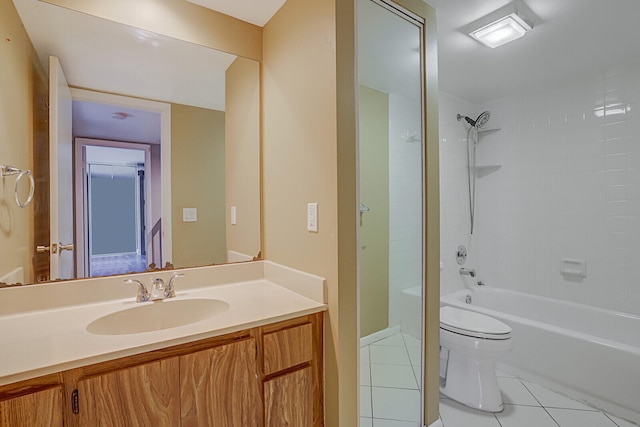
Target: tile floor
x=390 y=397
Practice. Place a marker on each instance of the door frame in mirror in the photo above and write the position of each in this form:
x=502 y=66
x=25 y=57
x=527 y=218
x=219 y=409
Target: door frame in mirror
x=164 y=109
x=82 y=208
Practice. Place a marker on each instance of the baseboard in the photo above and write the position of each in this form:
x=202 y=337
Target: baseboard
x=436 y=423
x=376 y=336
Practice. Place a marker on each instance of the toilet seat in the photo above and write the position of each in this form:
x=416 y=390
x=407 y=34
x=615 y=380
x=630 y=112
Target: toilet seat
x=471 y=324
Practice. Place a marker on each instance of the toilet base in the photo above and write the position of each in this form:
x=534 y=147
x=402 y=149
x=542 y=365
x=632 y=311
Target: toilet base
x=472 y=381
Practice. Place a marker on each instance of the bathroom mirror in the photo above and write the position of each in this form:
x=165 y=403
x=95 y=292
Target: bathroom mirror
x=165 y=143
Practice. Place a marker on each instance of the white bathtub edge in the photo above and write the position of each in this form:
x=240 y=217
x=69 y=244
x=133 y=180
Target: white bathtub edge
x=377 y=336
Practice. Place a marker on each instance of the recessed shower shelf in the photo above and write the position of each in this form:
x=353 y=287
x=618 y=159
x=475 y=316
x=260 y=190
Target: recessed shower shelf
x=485 y=170
x=488 y=131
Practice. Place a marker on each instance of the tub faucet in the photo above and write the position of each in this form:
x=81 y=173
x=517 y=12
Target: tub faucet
x=468 y=272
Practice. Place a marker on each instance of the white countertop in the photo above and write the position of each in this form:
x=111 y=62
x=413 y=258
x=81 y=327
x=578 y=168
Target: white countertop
x=53 y=337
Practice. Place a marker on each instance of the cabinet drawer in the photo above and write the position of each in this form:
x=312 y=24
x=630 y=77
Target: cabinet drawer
x=287 y=347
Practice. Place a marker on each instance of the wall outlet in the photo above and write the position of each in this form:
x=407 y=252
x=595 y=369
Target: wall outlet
x=312 y=217
x=189 y=214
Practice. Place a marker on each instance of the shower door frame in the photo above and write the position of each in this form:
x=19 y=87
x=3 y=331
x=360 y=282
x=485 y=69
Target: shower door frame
x=422 y=15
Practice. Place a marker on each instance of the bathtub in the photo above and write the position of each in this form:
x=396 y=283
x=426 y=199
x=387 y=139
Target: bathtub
x=586 y=353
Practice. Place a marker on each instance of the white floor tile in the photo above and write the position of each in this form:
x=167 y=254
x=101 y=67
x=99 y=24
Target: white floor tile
x=573 y=418
x=454 y=414
x=411 y=342
x=515 y=393
x=364 y=354
x=377 y=422
x=524 y=416
x=396 y=404
x=365 y=374
x=417 y=372
x=397 y=376
x=366 y=422
x=550 y=399
x=390 y=355
x=415 y=355
x=621 y=422
x=393 y=341
x=500 y=373
x=365 y=402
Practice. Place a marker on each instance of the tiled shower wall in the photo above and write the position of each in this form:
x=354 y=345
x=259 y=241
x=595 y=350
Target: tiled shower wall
x=454 y=203
x=568 y=186
x=405 y=201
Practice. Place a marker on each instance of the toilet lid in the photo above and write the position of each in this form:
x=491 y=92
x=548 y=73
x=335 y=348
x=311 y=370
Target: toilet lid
x=473 y=324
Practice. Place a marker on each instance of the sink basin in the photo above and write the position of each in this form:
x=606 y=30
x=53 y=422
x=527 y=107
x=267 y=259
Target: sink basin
x=157 y=315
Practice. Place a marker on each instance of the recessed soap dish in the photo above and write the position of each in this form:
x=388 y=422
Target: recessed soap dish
x=573 y=267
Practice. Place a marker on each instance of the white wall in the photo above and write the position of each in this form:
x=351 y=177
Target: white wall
x=405 y=202
x=454 y=195
x=568 y=187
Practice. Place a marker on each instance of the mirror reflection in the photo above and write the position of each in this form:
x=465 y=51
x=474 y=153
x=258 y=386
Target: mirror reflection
x=145 y=148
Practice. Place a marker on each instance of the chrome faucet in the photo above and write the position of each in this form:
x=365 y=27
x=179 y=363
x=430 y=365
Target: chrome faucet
x=468 y=272
x=170 y=290
x=143 y=293
x=159 y=290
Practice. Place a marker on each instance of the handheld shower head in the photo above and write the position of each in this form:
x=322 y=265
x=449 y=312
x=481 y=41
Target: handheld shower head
x=482 y=119
x=478 y=123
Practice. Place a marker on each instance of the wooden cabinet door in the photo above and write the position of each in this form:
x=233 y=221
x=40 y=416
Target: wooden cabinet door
x=288 y=399
x=220 y=386
x=40 y=409
x=144 y=395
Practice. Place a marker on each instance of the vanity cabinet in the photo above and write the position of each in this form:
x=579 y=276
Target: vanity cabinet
x=220 y=386
x=144 y=395
x=292 y=367
x=266 y=376
x=288 y=399
x=35 y=409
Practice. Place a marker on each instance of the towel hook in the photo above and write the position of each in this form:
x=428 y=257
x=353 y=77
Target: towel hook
x=6 y=170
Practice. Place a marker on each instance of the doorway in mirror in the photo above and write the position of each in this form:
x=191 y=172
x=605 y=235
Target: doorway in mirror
x=115 y=200
x=119 y=171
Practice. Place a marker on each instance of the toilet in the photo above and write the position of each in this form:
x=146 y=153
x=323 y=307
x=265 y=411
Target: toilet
x=470 y=343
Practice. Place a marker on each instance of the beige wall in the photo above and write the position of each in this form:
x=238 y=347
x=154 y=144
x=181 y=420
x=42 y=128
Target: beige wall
x=300 y=166
x=197 y=181
x=374 y=225
x=242 y=152
x=310 y=154
x=178 y=19
x=18 y=68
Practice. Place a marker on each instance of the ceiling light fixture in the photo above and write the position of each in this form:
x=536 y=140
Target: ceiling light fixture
x=121 y=116
x=502 y=30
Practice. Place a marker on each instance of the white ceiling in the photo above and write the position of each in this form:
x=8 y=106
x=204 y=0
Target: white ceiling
x=106 y=56
x=257 y=12
x=94 y=120
x=388 y=51
x=575 y=38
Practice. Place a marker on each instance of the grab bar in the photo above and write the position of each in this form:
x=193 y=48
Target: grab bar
x=6 y=170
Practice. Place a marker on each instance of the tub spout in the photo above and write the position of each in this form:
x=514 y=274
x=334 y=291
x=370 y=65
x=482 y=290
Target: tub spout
x=468 y=272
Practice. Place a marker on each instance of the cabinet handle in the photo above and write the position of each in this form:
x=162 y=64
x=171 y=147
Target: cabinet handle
x=75 y=407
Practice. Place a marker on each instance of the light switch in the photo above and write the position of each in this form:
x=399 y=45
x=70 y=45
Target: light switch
x=312 y=217
x=233 y=215
x=189 y=214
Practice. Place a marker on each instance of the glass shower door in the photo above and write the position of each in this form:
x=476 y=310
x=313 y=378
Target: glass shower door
x=391 y=212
